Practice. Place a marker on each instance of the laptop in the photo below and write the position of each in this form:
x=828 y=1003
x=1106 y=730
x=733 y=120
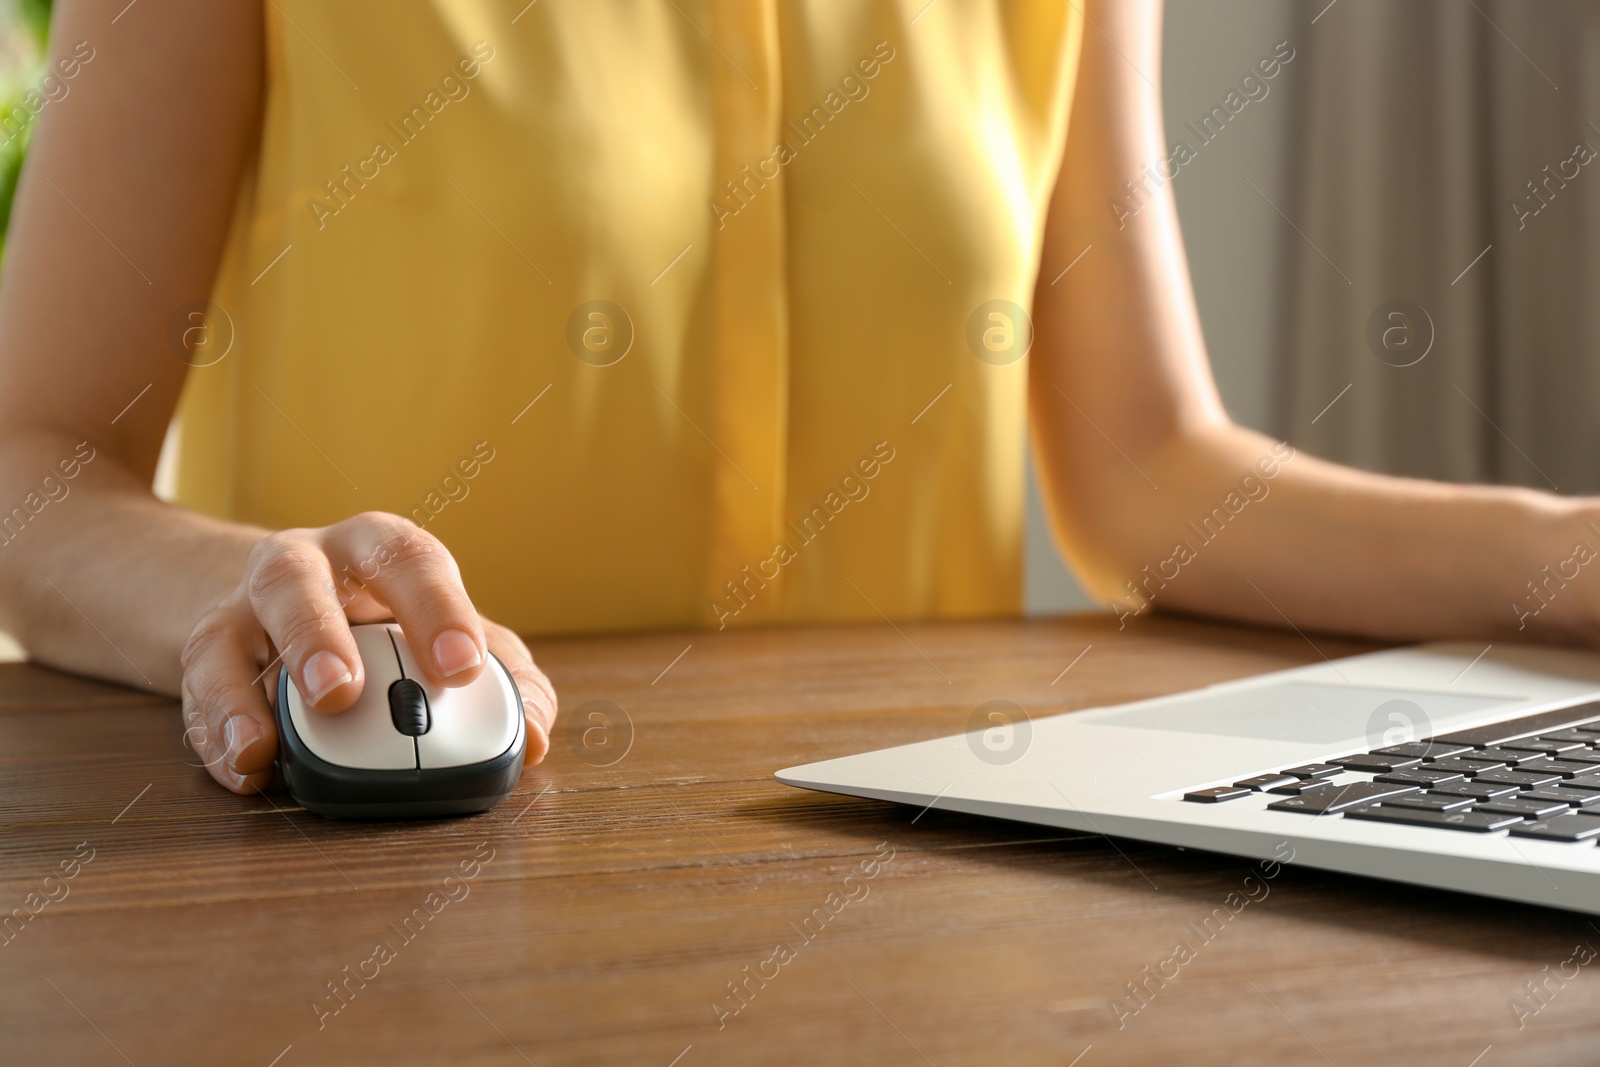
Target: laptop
x=1443 y=765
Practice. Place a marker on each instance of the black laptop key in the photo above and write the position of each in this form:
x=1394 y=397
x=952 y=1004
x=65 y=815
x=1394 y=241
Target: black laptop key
x=1422 y=750
x=1216 y=794
x=1341 y=798
x=1560 y=828
x=1464 y=766
x=1426 y=777
x=1548 y=765
x=1314 y=770
x=1300 y=786
x=1478 y=822
x=1434 y=802
x=1266 y=781
x=1479 y=735
x=1500 y=755
x=1574 y=798
x=1541 y=744
x=1582 y=755
x=1582 y=736
x=1377 y=762
x=1525 y=808
x=1477 y=790
x=1517 y=778
x=1526 y=726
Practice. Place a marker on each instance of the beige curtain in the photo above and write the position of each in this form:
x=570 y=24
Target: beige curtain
x=1422 y=125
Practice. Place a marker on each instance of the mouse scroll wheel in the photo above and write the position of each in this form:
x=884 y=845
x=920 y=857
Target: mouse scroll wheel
x=408 y=706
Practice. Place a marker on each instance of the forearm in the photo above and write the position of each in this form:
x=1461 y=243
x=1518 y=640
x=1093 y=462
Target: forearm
x=1319 y=546
x=104 y=579
x=1162 y=503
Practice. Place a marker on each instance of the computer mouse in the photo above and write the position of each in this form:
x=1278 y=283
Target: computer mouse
x=406 y=749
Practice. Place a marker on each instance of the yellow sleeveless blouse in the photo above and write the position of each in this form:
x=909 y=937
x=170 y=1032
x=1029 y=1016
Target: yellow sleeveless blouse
x=656 y=314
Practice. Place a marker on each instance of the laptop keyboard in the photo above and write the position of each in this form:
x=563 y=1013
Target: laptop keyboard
x=1537 y=776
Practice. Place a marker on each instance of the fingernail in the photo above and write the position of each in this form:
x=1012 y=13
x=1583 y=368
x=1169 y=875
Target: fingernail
x=240 y=732
x=455 y=651
x=324 y=673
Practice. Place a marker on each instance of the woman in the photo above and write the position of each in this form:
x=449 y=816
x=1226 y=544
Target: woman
x=646 y=315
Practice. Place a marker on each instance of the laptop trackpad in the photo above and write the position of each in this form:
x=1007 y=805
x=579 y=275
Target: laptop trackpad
x=1308 y=712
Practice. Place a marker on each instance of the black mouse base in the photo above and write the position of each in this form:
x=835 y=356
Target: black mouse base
x=419 y=809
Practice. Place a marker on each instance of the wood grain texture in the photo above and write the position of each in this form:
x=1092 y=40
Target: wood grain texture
x=611 y=906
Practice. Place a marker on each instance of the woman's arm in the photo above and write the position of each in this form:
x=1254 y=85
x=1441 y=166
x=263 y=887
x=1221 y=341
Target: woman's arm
x=121 y=215
x=120 y=219
x=1162 y=502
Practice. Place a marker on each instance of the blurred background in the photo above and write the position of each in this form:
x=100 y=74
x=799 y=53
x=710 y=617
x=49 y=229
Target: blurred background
x=23 y=26
x=1394 y=249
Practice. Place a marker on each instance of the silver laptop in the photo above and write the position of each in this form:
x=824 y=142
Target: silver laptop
x=1440 y=765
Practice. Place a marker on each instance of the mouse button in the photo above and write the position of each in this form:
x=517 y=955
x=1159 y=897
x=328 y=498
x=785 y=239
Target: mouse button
x=362 y=736
x=375 y=642
x=409 y=668
x=473 y=723
x=378 y=659
x=408 y=707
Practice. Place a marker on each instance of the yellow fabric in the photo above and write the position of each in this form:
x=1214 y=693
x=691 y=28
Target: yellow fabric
x=791 y=321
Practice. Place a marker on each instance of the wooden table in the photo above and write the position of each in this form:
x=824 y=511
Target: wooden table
x=600 y=915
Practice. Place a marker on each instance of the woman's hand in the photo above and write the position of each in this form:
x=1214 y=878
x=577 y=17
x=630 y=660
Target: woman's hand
x=300 y=592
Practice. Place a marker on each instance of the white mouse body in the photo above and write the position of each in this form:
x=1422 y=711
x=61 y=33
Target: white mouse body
x=406 y=748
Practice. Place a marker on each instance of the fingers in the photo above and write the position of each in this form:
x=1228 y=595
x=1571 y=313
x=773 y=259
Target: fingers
x=227 y=720
x=538 y=695
x=294 y=597
x=410 y=571
x=291 y=591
